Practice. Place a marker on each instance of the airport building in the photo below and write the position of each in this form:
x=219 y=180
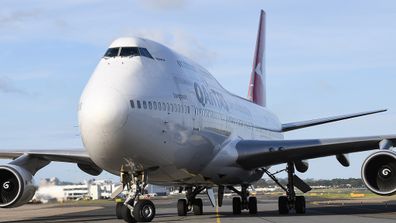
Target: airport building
x=51 y=190
x=54 y=190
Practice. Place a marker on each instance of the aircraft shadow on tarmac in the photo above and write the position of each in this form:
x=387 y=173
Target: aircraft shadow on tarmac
x=333 y=209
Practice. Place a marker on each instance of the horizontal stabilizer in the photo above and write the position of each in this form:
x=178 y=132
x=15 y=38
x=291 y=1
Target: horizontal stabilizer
x=320 y=121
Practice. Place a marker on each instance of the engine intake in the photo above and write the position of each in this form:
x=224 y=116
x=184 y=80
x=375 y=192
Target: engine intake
x=16 y=186
x=379 y=172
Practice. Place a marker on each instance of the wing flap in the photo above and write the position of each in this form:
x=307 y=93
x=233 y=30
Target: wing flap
x=254 y=153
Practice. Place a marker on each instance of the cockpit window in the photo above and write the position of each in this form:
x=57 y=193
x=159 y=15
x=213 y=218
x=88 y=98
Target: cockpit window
x=129 y=52
x=112 y=52
x=144 y=52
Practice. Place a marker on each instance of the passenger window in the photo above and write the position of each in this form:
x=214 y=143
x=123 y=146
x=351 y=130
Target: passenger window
x=132 y=104
x=112 y=52
x=163 y=106
x=159 y=106
x=144 y=104
x=129 y=52
x=155 y=105
x=150 y=105
x=168 y=107
x=138 y=104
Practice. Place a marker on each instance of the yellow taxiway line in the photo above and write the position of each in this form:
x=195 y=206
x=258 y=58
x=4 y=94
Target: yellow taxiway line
x=217 y=214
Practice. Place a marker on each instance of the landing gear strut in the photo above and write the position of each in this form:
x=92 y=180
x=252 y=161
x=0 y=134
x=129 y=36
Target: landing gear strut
x=243 y=202
x=135 y=209
x=290 y=201
x=191 y=203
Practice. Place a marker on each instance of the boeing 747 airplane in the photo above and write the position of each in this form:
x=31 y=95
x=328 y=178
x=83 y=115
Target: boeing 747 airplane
x=151 y=115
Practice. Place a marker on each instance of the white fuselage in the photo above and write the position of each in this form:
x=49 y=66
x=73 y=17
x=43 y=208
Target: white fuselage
x=168 y=116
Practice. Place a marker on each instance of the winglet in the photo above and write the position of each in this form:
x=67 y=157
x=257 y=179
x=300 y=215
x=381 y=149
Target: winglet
x=257 y=89
x=305 y=124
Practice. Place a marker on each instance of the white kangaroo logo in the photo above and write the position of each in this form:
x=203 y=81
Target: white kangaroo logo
x=386 y=172
x=6 y=185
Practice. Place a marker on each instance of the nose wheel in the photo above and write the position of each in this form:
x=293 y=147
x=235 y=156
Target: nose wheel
x=144 y=211
x=135 y=209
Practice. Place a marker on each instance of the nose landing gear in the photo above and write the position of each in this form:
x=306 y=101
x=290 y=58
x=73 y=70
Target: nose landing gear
x=135 y=209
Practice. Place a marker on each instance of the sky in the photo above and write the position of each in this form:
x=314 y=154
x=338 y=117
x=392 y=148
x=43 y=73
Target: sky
x=322 y=59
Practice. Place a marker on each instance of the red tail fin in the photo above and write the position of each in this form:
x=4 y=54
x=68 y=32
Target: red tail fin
x=257 y=80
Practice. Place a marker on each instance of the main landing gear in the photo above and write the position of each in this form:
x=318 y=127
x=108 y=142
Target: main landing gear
x=291 y=201
x=135 y=209
x=191 y=203
x=243 y=202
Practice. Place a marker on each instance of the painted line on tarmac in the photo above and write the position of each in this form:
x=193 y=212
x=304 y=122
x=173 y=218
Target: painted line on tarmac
x=217 y=213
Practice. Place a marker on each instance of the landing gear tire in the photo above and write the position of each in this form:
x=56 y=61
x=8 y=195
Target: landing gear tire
x=197 y=206
x=300 y=205
x=236 y=205
x=119 y=210
x=127 y=214
x=283 y=205
x=252 y=205
x=144 y=211
x=182 y=207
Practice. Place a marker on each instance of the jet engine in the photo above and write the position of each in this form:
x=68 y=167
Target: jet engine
x=16 y=186
x=379 y=172
x=301 y=166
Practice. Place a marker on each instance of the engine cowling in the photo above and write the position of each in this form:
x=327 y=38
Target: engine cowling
x=301 y=166
x=16 y=186
x=379 y=172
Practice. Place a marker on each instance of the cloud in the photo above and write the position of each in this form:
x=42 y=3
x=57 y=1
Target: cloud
x=164 y=4
x=6 y=86
x=182 y=42
x=16 y=17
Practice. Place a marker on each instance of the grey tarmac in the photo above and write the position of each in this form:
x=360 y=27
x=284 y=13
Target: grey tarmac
x=320 y=211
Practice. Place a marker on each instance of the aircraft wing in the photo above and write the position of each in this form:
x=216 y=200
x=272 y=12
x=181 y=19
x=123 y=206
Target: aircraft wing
x=70 y=156
x=255 y=153
x=80 y=157
x=305 y=124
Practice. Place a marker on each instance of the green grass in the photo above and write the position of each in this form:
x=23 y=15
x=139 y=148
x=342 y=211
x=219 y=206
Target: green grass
x=335 y=193
x=341 y=194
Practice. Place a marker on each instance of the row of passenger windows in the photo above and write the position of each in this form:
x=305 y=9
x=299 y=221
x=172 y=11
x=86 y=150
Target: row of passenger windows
x=127 y=52
x=160 y=106
x=173 y=107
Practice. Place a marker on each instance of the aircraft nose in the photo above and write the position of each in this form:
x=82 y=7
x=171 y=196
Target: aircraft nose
x=103 y=110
